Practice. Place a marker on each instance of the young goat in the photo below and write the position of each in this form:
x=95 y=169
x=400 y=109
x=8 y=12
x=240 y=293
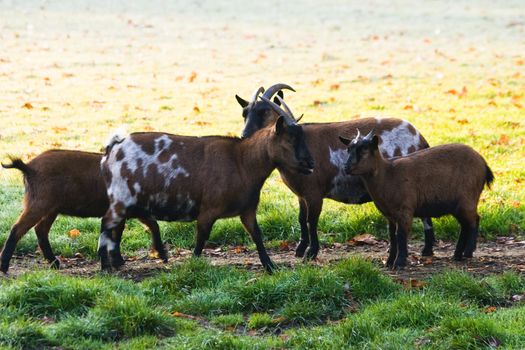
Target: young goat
x=433 y=182
x=182 y=178
x=68 y=183
x=397 y=138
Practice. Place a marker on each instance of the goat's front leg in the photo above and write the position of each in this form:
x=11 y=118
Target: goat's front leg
x=314 y=211
x=392 y=251
x=249 y=221
x=108 y=247
x=204 y=225
x=402 y=234
x=305 y=240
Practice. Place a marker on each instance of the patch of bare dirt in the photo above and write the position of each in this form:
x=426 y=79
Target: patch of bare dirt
x=505 y=254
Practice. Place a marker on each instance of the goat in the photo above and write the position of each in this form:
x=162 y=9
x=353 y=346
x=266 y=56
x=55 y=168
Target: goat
x=397 y=137
x=182 y=178
x=433 y=182
x=68 y=183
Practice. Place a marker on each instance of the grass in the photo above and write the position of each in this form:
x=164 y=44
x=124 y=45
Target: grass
x=69 y=76
x=311 y=307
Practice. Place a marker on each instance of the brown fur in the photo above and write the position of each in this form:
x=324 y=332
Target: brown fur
x=442 y=180
x=62 y=182
x=311 y=190
x=222 y=178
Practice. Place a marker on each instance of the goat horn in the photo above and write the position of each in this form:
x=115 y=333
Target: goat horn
x=369 y=136
x=287 y=118
x=288 y=110
x=256 y=93
x=298 y=119
x=356 y=138
x=272 y=90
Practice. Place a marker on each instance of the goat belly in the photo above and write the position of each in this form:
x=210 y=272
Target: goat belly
x=436 y=209
x=167 y=210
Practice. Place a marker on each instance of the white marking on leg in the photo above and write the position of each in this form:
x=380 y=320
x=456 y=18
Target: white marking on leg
x=426 y=226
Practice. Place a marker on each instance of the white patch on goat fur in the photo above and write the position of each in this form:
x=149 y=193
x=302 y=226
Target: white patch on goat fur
x=399 y=137
x=137 y=187
x=103 y=241
x=338 y=158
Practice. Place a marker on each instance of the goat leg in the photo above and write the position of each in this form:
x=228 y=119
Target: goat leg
x=402 y=233
x=314 y=211
x=429 y=237
x=249 y=221
x=157 y=244
x=42 y=234
x=305 y=240
x=392 y=251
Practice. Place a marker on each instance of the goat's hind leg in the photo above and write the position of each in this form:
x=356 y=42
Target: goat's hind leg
x=429 y=237
x=24 y=223
x=156 y=239
x=42 y=234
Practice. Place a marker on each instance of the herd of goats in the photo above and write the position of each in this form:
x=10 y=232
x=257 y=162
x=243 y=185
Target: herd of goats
x=159 y=176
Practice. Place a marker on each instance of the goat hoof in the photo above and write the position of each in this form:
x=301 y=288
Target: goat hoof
x=311 y=254
x=301 y=248
x=458 y=257
x=427 y=252
x=270 y=267
x=55 y=264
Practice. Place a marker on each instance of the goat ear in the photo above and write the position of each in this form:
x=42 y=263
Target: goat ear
x=345 y=140
x=375 y=142
x=241 y=101
x=280 y=125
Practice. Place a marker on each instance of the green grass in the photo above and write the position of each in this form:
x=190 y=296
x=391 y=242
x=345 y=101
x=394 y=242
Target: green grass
x=66 y=85
x=200 y=306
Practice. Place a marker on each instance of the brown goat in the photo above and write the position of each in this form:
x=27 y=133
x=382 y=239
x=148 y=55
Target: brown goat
x=397 y=137
x=182 y=178
x=68 y=183
x=437 y=181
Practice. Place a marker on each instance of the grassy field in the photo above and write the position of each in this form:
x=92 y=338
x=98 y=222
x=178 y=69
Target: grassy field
x=71 y=72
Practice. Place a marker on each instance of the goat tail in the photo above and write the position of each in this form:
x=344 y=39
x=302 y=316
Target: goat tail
x=489 y=176
x=17 y=163
x=116 y=137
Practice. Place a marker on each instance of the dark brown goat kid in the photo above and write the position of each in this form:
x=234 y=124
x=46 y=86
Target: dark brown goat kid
x=397 y=137
x=68 y=183
x=182 y=178
x=441 y=180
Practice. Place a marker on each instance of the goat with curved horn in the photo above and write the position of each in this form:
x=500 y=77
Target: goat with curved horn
x=272 y=90
x=370 y=135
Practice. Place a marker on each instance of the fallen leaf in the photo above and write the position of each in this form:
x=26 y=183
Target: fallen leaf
x=408 y=107
x=334 y=87
x=365 y=238
x=503 y=139
x=417 y=284
x=515 y=204
x=148 y=128
x=284 y=245
x=520 y=62
x=183 y=315
x=74 y=233
x=492 y=103
x=192 y=77
x=58 y=129
x=196 y=109
x=27 y=105
x=201 y=123
x=462 y=121
x=154 y=254
x=490 y=309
